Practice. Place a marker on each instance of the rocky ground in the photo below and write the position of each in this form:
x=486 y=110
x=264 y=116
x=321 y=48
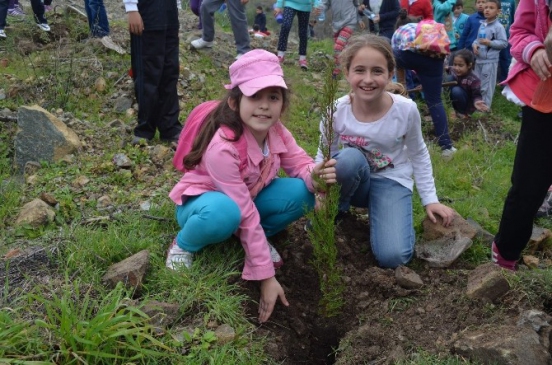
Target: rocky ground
x=382 y=321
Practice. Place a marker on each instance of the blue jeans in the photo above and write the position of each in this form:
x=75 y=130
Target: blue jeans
x=213 y=217
x=97 y=18
x=389 y=203
x=430 y=73
x=459 y=98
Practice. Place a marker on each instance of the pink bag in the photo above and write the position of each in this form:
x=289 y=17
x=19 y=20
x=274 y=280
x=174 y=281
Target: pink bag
x=431 y=38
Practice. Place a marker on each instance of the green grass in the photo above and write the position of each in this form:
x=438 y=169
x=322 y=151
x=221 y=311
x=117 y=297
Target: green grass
x=75 y=318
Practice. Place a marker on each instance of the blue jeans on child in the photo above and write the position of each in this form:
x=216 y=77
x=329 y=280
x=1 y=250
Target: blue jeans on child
x=459 y=99
x=213 y=217
x=97 y=18
x=389 y=203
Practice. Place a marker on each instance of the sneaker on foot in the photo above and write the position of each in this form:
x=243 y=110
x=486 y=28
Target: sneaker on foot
x=45 y=27
x=281 y=59
x=303 y=64
x=138 y=141
x=275 y=256
x=448 y=153
x=2 y=33
x=501 y=261
x=109 y=44
x=15 y=12
x=200 y=43
x=177 y=257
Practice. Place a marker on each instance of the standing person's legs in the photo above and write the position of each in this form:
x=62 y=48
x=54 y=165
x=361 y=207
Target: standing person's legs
x=282 y=202
x=391 y=227
x=206 y=219
x=285 y=28
x=430 y=73
x=167 y=108
x=238 y=21
x=38 y=10
x=3 y=13
x=303 y=31
x=11 y=4
x=489 y=69
x=531 y=178
x=195 y=6
x=147 y=58
x=207 y=13
x=341 y=39
x=97 y=18
x=504 y=59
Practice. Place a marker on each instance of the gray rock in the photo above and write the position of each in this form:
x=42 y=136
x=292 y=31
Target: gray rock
x=122 y=104
x=482 y=234
x=408 y=278
x=130 y=271
x=505 y=345
x=442 y=252
x=35 y=213
x=225 y=334
x=161 y=313
x=42 y=137
x=487 y=281
x=458 y=227
x=122 y=161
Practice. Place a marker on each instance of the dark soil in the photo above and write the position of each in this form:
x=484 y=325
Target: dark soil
x=380 y=322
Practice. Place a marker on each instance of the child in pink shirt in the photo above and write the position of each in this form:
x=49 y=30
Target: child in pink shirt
x=217 y=197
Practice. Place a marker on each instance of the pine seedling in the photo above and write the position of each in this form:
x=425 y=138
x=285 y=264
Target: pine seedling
x=322 y=230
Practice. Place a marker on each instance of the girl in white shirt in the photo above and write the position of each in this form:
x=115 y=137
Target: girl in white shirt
x=379 y=148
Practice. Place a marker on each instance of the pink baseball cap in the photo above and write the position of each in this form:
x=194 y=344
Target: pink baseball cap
x=256 y=70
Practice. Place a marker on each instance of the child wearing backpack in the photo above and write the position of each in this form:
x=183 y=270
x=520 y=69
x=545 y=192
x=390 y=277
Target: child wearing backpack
x=231 y=151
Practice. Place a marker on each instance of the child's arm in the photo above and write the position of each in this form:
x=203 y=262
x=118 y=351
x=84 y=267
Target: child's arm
x=523 y=36
x=478 y=102
x=500 y=40
x=135 y=23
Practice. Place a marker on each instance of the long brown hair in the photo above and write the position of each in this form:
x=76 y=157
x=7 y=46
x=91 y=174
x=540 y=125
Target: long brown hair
x=222 y=115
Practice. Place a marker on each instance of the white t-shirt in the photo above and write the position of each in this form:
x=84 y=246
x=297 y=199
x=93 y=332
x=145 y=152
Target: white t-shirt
x=393 y=145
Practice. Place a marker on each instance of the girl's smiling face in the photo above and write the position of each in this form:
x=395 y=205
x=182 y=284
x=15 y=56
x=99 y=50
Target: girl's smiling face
x=460 y=67
x=368 y=75
x=260 y=111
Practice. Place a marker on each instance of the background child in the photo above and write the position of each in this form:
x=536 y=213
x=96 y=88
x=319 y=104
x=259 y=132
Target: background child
x=531 y=40
x=386 y=12
x=238 y=22
x=288 y=9
x=99 y=24
x=260 y=19
x=14 y=9
x=459 y=20
x=374 y=170
x=215 y=199
x=506 y=18
x=345 y=17
x=418 y=10
x=442 y=13
x=466 y=95
x=469 y=35
x=153 y=26
x=487 y=50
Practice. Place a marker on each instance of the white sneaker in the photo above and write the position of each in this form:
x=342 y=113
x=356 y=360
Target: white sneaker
x=45 y=27
x=200 y=43
x=177 y=257
x=3 y=34
x=275 y=256
x=109 y=44
x=448 y=153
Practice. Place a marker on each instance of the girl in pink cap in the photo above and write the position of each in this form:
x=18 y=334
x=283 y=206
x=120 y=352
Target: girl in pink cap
x=218 y=195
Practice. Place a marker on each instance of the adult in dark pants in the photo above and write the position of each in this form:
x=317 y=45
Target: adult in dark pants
x=38 y=10
x=153 y=26
x=531 y=40
x=386 y=16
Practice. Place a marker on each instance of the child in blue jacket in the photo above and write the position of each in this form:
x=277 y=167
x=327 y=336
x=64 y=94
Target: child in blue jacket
x=472 y=27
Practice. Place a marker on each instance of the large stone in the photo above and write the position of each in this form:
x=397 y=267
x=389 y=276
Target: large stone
x=442 y=252
x=130 y=271
x=487 y=281
x=408 y=278
x=35 y=213
x=161 y=313
x=225 y=334
x=505 y=345
x=458 y=228
x=42 y=137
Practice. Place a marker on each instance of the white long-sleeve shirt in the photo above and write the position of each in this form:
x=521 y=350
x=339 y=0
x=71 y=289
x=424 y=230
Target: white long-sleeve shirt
x=394 y=144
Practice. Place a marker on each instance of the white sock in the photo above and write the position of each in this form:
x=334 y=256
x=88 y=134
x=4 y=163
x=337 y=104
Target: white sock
x=281 y=53
x=301 y=58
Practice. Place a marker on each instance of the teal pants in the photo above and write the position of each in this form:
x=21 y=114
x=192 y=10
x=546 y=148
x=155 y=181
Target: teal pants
x=213 y=217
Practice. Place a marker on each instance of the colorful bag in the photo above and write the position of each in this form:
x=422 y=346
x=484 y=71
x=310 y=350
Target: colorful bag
x=431 y=38
x=191 y=129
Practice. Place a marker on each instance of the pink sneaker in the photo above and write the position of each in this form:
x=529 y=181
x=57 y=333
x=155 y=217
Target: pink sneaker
x=281 y=59
x=501 y=261
x=303 y=64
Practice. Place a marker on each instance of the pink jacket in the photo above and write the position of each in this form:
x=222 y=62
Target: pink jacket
x=527 y=35
x=219 y=171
